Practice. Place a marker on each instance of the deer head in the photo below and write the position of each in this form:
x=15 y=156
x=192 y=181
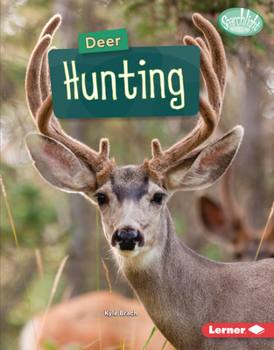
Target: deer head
x=132 y=199
x=226 y=225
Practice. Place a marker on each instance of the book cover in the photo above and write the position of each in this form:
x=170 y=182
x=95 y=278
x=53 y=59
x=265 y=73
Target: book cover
x=98 y=251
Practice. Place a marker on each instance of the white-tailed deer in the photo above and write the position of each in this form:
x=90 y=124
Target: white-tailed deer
x=180 y=290
x=76 y=321
x=226 y=226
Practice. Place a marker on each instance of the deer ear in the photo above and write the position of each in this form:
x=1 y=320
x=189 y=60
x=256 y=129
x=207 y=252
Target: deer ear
x=200 y=169
x=58 y=165
x=215 y=220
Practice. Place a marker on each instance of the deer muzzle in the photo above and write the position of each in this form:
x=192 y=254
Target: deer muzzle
x=127 y=239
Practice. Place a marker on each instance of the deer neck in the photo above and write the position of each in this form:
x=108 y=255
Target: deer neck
x=172 y=286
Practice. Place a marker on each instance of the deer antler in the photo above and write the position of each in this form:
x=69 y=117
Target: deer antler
x=213 y=68
x=40 y=104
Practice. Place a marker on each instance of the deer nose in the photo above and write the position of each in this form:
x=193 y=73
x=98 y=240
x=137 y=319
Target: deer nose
x=127 y=239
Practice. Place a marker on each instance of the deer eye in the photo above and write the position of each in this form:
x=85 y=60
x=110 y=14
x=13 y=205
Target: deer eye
x=157 y=198
x=101 y=198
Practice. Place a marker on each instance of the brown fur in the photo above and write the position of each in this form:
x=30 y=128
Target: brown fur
x=153 y=175
x=104 y=175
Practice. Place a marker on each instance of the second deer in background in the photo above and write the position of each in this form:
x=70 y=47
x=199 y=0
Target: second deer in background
x=77 y=322
x=226 y=225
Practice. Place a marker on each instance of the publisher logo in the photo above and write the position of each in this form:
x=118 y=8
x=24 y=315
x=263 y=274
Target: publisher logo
x=240 y=21
x=256 y=329
x=238 y=330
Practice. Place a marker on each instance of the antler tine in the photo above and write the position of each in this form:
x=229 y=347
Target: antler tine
x=210 y=78
x=217 y=51
x=49 y=29
x=40 y=103
x=209 y=110
x=33 y=91
x=44 y=76
x=37 y=85
x=203 y=47
x=37 y=71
